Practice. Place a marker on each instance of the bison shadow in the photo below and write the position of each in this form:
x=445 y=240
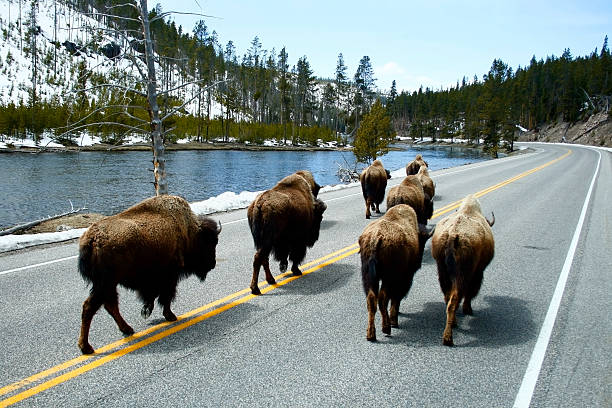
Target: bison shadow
x=201 y=335
x=498 y=321
x=327 y=224
x=322 y=281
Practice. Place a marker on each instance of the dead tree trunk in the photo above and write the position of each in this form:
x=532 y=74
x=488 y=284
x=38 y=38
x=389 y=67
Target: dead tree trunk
x=159 y=158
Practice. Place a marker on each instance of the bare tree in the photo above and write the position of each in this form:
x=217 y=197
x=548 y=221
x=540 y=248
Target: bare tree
x=139 y=83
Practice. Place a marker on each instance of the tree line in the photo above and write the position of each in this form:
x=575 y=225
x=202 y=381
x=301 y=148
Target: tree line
x=233 y=96
x=494 y=108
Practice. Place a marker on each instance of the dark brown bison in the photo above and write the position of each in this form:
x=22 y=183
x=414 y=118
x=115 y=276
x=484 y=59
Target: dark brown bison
x=410 y=191
x=414 y=166
x=391 y=251
x=147 y=248
x=284 y=221
x=373 y=184
x=462 y=246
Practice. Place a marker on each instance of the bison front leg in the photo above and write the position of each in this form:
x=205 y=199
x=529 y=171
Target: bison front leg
x=371 y=304
x=90 y=307
x=166 y=298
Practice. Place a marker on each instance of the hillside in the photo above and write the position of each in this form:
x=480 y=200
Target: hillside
x=596 y=131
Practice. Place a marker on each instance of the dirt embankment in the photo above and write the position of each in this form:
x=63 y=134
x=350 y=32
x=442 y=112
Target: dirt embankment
x=596 y=131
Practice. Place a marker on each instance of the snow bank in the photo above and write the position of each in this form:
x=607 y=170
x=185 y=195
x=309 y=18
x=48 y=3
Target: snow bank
x=12 y=242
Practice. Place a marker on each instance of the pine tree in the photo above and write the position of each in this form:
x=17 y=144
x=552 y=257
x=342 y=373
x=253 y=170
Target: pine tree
x=374 y=134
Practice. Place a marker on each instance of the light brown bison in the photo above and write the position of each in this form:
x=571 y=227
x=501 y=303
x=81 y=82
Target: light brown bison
x=462 y=246
x=147 y=248
x=373 y=184
x=428 y=185
x=284 y=221
x=391 y=250
x=410 y=191
x=414 y=166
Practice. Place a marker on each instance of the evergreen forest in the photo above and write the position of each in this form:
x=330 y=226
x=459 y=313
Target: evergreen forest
x=258 y=96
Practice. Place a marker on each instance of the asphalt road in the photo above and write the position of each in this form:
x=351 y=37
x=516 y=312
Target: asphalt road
x=303 y=343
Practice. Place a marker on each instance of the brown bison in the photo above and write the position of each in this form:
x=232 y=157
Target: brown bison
x=284 y=221
x=462 y=246
x=429 y=186
x=147 y=248
x=414 y=166
x=391 y=251
x=373 y=184
x=410 y=191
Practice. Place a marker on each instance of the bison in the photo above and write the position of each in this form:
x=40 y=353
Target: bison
x=429 y=186
x=462 y=246
x=284 y=221
x=147 y=248
x=410 y=191
x=391 y=250
x=373 y=184
x=413 y=167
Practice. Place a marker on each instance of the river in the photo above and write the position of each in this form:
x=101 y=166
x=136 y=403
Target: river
x=38 y=185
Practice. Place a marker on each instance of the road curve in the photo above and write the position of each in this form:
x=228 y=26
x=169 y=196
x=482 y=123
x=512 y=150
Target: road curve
x=540 y=334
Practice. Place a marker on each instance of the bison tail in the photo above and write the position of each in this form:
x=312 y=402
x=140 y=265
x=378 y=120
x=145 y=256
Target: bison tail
x=85 y=264
x=262 y=229
x=369 y=277
x=451 y=262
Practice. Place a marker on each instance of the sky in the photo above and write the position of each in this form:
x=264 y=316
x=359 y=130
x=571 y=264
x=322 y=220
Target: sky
x=430 y=43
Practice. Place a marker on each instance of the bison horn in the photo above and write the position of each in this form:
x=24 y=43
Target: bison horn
x=219 y=229
x=492 y=221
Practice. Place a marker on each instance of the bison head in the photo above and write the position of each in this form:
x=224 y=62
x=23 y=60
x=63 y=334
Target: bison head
x=319 y=209
x=204 y=249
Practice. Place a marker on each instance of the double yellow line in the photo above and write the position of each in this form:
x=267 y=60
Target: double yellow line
x=144 y=338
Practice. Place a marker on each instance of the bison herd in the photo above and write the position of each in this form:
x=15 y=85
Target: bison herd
x=149 y=247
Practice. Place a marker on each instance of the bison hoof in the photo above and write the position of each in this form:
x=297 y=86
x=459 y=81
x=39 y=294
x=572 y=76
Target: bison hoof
x=283 y=266
x=146 y=311
x=86 y=348
x=372 y=338
x=367 y=216
x=395 y=325
x=296 y=271
x=255 y=290
x=127 y=330
x=386 y=330
x=448 y=341
x=271 y=281
x=171 y=317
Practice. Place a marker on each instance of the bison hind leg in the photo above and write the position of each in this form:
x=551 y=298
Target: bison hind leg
x=147 y=308
x=297 y=255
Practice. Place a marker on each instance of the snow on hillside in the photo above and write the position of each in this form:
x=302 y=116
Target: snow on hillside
x=57 y=67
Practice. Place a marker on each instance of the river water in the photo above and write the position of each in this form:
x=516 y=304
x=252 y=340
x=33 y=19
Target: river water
x=34 y=186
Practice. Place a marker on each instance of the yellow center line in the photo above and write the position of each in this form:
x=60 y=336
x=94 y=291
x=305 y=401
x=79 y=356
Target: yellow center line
x=133 y=344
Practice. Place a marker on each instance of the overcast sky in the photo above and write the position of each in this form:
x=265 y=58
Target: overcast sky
x=430 y=43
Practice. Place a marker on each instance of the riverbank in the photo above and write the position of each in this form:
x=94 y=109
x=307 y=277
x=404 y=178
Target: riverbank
x=102 y=147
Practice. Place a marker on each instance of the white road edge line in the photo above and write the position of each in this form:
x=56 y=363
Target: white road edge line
x=525 y=393
x=37 y=265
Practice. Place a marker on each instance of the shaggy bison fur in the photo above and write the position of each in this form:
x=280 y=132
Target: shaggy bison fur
x=373 y=184
x=284 y=221
x=147 y=248
x=391 y=250
x=462 y=246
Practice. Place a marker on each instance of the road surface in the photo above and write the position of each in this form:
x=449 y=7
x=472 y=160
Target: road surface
x=540 y=335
